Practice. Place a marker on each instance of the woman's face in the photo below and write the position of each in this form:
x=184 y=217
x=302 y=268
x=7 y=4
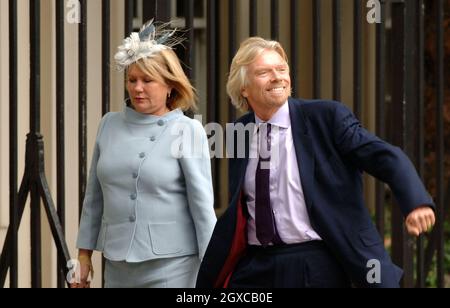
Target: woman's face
x=147 y=96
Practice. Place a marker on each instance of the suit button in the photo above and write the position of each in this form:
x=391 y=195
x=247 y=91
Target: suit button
x=161 y=123
x=135 y=175
x=152 y=139
x=132 y=219
x=142 y=155
x=133 y=196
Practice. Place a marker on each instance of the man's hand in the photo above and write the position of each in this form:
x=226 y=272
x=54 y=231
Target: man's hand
x=420 y=220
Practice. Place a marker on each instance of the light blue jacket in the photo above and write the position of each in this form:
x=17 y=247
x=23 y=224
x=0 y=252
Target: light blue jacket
x=148 y=196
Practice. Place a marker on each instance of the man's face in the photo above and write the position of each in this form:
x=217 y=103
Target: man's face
x=268 y=81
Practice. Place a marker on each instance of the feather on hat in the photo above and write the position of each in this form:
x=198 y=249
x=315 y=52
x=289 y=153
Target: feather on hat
x=150 y=40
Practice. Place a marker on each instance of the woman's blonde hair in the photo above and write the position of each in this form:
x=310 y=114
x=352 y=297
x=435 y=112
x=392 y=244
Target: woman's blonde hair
x=165 y=67
x=249 y=50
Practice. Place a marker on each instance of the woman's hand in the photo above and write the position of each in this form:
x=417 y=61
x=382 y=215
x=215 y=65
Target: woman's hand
x=86 y=269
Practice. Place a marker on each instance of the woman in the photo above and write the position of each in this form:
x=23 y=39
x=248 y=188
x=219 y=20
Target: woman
x=149 y=201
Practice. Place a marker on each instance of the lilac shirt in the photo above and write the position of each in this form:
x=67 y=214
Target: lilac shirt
x=286 y=193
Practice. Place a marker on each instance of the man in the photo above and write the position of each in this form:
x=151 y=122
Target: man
x=302 y=221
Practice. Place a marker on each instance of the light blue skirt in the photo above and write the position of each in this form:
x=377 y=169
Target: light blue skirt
x=180 y=272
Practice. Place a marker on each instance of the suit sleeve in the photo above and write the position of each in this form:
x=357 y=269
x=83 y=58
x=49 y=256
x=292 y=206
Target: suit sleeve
x=91 y=216
x=380 y=159
x=196 y=165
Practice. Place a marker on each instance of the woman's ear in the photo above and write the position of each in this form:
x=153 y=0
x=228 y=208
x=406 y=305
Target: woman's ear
x=244 y=93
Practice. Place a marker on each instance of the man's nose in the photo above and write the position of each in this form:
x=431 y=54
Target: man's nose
x=276 y=75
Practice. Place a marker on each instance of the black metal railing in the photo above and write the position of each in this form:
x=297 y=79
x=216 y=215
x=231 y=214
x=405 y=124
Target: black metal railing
x=34 y=181
x=399 y=83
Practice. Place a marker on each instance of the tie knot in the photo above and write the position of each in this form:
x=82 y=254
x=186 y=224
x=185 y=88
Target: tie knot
x=265 y=143
x=265 y=130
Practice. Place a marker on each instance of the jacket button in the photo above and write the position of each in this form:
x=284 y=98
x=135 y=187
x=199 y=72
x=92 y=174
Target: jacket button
x=161 y=123
x=132 y=219
x=133 y=197
x=135 y=175
x=142 y=155
x=152 y=139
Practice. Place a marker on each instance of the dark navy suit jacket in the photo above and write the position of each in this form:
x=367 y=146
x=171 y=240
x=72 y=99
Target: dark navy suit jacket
x=332 y=151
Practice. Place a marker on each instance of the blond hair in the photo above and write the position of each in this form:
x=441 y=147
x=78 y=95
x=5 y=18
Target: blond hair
x=249 y=50
x=165 y=67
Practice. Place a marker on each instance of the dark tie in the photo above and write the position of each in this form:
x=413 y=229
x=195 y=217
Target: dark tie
x=266 y=230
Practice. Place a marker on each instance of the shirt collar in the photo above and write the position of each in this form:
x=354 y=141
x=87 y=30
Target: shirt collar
x=281 y=118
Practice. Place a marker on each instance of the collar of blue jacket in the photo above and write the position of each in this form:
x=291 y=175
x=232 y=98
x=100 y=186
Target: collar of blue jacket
x=135 y=117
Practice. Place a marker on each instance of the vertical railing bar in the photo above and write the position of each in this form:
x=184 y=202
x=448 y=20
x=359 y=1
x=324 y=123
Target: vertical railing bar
x=82 y=107
x=190 y=45
x=212 y=40
x=410 y=116
x=232 y=5
x=106 y=43
x=421 y=129
x=35 y=77
x=13 y=177
x=317 y=48
x=213 y=89
x=396 y=118
x=402 y=90
x=232 y=27
x=253 y=17
x=149 y=8
x=380 y=113
x=35 y=229
x=60 y=127
x=295 y=32
x=129 y=10
x=163 y=8
x=337 y=24
x=357 y=103
x=440 y=141
x=275 y=19
x=106 y=82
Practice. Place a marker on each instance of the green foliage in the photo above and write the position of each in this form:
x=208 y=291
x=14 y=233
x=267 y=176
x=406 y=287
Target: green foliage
x=432 y=277
x=431 y=280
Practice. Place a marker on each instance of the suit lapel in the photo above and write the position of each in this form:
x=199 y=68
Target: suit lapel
x=240 y=168
x=303 y=149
